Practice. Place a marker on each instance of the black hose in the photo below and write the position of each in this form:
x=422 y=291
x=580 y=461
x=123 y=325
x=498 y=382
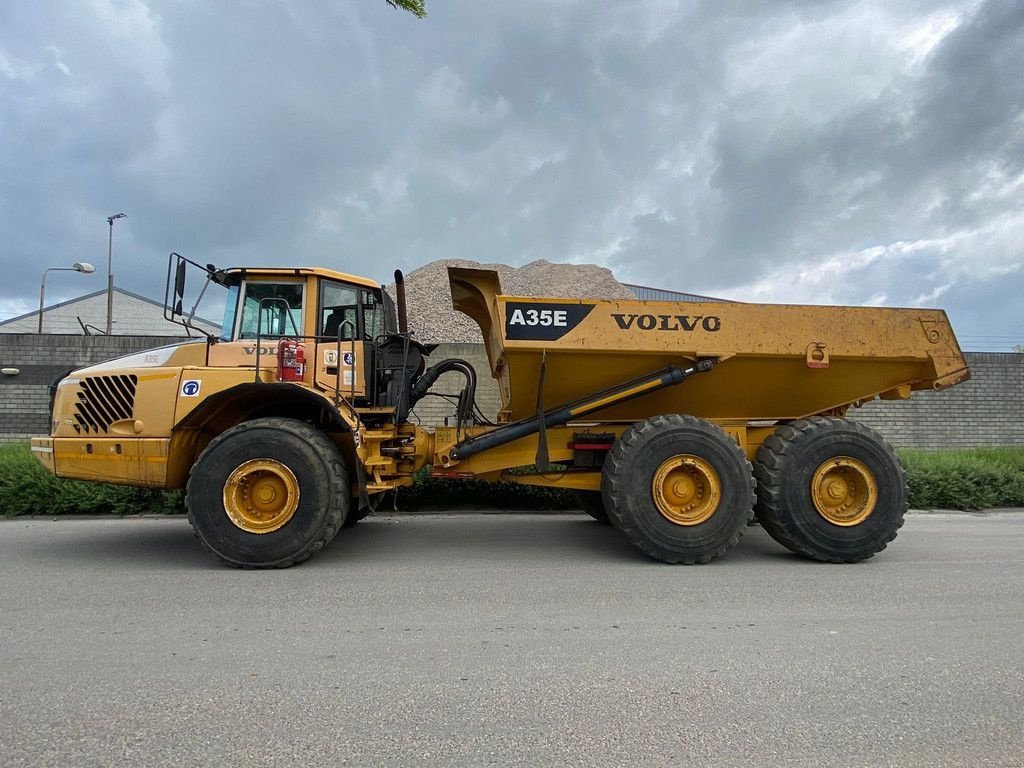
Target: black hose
x=467 y=399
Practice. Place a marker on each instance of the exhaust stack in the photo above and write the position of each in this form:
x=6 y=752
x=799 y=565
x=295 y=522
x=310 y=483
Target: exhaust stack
x=403 y=317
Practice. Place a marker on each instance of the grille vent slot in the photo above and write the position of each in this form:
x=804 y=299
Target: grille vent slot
x=102 y=400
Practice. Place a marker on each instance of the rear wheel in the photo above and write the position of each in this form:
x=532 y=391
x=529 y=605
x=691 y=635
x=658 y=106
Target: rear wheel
x=268 y=493
x=830 y=489
x=592 y=503
x=679 y=488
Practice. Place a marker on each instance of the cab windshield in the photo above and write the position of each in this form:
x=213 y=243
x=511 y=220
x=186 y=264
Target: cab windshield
x=227 y=326
x=268 y=310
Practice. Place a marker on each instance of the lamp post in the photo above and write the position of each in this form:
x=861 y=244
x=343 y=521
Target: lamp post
x=110 y=271
x=79 y=266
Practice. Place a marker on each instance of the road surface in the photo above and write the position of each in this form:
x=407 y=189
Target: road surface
x=509 y=640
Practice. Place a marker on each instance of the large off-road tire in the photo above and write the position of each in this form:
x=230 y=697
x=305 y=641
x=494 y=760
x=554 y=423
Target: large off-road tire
x=268 y=493
x=679 y=488
x=593 y=504
x=830 y=489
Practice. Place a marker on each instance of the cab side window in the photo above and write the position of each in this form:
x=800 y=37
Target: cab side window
x=339 y=305
x=373 y=315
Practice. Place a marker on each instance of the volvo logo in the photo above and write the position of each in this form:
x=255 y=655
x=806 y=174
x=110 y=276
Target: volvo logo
x=686 y=323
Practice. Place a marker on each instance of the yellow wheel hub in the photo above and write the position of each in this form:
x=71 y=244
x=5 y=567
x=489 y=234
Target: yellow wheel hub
x=261 y=495
x=844 y=491
x=686 y=490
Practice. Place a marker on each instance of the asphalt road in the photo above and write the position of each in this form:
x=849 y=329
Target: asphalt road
x=509 y=640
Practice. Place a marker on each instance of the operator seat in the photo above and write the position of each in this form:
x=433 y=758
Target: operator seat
x=333 y=323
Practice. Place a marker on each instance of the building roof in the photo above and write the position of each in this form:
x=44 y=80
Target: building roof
x=646 y=293
x=134 y=315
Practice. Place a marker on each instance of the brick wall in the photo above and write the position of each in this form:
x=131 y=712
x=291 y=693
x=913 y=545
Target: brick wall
x=987 y=410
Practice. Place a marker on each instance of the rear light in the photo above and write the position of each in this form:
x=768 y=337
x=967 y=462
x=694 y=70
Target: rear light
x=589 y=449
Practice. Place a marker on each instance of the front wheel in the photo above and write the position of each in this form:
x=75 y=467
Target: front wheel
x=830 y=489
x=268 y=493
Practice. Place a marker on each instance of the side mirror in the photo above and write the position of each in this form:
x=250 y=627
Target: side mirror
x=179 y=287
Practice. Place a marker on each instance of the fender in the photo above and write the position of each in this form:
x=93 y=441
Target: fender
x=242 y=401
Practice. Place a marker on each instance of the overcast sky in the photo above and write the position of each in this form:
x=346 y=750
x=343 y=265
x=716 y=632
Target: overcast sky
x=820 y=152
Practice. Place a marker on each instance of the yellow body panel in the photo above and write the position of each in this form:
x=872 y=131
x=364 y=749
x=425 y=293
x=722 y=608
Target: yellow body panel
x=339 y=368
x=212 y=381
x=130 y=461
x=242 y=354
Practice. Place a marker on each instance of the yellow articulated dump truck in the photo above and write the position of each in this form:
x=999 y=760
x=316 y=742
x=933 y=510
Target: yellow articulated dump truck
x=677 y=423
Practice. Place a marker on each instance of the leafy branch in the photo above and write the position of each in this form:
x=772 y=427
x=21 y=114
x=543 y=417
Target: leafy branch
x=415 y=7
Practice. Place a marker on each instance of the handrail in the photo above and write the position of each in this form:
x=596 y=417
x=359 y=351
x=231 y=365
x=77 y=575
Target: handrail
x=337 y=370
x=338 y=397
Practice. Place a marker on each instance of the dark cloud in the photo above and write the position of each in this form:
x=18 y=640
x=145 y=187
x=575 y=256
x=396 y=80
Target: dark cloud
x=792 y=151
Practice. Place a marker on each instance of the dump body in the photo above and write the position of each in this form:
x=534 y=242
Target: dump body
x=774 y=362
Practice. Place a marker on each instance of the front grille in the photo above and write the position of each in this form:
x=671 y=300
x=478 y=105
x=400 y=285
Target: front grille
x=102 y=400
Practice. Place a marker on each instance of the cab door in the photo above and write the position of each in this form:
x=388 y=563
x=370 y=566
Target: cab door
x=340 y=362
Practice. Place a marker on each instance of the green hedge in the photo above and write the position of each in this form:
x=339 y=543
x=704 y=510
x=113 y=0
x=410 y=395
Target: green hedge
x=977 y=478
x=969 y=479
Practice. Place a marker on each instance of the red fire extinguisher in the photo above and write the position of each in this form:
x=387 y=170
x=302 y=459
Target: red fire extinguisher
x=291 y=360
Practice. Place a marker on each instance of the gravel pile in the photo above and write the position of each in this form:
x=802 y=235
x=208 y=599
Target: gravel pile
x=429 y=296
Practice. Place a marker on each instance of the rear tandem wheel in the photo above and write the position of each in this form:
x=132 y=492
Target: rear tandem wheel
x=830 y=489
x=679 y=488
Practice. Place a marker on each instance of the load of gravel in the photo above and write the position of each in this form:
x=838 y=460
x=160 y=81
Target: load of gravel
x=429 y=296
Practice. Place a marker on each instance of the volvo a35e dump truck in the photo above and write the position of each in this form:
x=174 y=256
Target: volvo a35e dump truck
x=675 y=422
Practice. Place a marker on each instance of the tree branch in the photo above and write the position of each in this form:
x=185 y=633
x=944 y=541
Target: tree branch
x=415 y=7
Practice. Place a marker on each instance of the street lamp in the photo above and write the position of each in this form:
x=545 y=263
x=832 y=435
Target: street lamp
x=79 y=266
x=110 y=272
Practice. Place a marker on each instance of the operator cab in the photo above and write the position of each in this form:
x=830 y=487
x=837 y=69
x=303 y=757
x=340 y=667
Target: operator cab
x=271 y=307
x=326 y=327
x=334 y=332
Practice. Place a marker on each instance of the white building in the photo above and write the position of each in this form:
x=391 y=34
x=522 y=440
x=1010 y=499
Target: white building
x=133 y=315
